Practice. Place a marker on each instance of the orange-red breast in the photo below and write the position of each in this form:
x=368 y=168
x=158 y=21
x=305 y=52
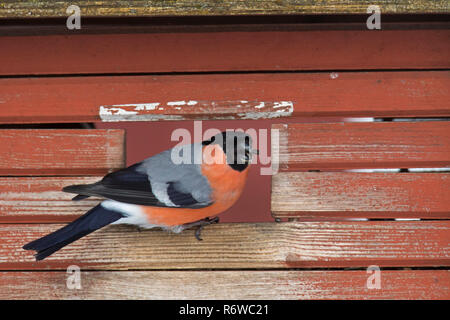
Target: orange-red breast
x=176 y=189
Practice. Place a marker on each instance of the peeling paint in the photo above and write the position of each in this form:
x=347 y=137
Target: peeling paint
x=283 y=109
x=115 y=111
x=140 y=106
x=182 y=103
x=176 y=110
x=282 y=104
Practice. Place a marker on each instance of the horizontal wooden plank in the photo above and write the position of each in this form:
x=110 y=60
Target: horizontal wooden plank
x=324 y=146
x=225 y=51
x=305 y=194
x=240 y=246
x=149 y=98
x=32 y=9
x=227 y=285
x=360 y=195
x=60 y=152
x=40 y=199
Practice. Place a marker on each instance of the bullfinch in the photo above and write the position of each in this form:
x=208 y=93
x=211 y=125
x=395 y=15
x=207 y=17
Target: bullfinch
x=162 y=191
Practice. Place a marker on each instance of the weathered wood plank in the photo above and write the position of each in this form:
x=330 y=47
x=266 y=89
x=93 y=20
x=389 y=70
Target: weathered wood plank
x=25 y=9
x=60 y=152
x=67 y=99
x=40 y=199
x=225 y=51
x=361 y=195
x=305 y=194
x=240 y=246
x=398 y=284
x=323 y=146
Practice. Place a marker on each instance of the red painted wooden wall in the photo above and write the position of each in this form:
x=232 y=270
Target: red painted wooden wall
x=309 y=77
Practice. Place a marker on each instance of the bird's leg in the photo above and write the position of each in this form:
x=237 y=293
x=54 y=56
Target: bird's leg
x=200 y=224
x=206 y=222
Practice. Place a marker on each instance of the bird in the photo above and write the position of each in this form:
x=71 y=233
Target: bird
x=162 y=192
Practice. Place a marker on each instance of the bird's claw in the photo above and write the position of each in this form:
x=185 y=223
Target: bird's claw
x=206 y=222
x=200 y=224
x=198 y=232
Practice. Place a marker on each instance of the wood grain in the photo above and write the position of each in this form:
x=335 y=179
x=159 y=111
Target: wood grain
x=360 y=195
x=40 y=8
x=327 y=146
x=60 y=152
x=40 y=199
x=225 y=51
x=353 y=94
x=240 y=246
x=227 y=285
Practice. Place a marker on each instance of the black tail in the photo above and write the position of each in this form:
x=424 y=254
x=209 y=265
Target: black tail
x=92 y=220
x=80 y=189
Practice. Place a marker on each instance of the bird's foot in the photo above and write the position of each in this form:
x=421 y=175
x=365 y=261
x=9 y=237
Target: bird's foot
x=200 y=224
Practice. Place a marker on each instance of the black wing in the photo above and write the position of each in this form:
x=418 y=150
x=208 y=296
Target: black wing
x=131 y=186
